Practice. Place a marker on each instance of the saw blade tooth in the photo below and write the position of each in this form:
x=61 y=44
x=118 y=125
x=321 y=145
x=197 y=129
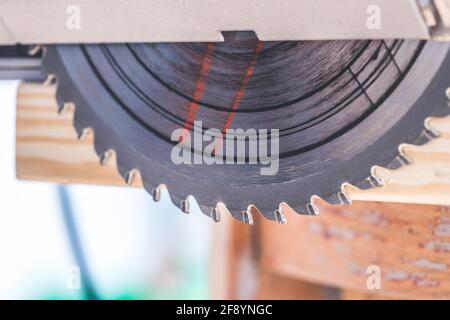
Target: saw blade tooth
x=156 y=194
x=447 y=93
x=129 y=178
x=106 y=157
x=426 y=136
x=301 y=210
x=84 y=133
x=375 y=178
x=35 y=49
x=430 y=131
x=253 y=210
x=403 y=160
x=243 y=216
x=221 y=211
x=66 y=107
x=376 y=183
x=83 y=129
x=338 y=198
x=286 y=208
x=369 y=183
x=281 y=218
x=64 y=102
x=185 y=206
x=61 y=99
x=333 y=198
x=366 y=184
x=399 y=162
x=205 y=210
x=344 y=195
x=50 y=80
x=215 y=215
x=247 y=217
x=190 y=205
x=312 y=209
x=403 y=156
x=430 y=134
x=345 y=199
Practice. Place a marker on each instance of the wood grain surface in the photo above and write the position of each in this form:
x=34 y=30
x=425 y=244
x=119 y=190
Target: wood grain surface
x=409 y=243
x=47 y=146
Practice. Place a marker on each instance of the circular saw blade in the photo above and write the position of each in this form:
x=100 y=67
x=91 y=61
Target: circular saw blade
x=340 y=107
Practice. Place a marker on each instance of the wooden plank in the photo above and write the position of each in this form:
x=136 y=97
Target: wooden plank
x=230 y=258
x=273 y=286
x=357 y=295
x=47 y=149
x=409 y=243
x=237 y=271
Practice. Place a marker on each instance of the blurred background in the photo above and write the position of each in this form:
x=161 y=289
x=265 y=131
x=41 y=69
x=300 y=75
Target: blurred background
x=119 y=242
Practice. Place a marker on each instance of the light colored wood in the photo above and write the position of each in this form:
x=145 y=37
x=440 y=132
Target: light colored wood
x=272 y=286
x=409 y=243
x=303 y=259
x=231 y=260
x=357 y=295
x=47 y=149
x=237 y=271
x=425 y=181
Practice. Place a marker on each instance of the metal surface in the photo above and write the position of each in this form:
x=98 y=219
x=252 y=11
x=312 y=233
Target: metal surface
x=341 y=107
x=29 y=69
x=17 y=63
x=100 y=21
x=436 y=14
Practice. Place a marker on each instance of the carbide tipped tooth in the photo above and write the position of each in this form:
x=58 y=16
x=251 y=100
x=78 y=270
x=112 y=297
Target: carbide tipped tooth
x=430 y=134
x=215 y=215
x=34 y=50
x=184 y=206
x=82 y=134
x=104 y=158
x=404 y=160
x=344 y=198
x=247 y=217
x=130 y=177
x=66 y=106
x=50 y=80
x=61 y=108
x=332 y=198
x=401 y=160
x=281 y=219
x=447 y=93
x=364 y=184
x=312 y=209
x=156 y=194
x=253 y=210
x=375 y=181
x=284 y=207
